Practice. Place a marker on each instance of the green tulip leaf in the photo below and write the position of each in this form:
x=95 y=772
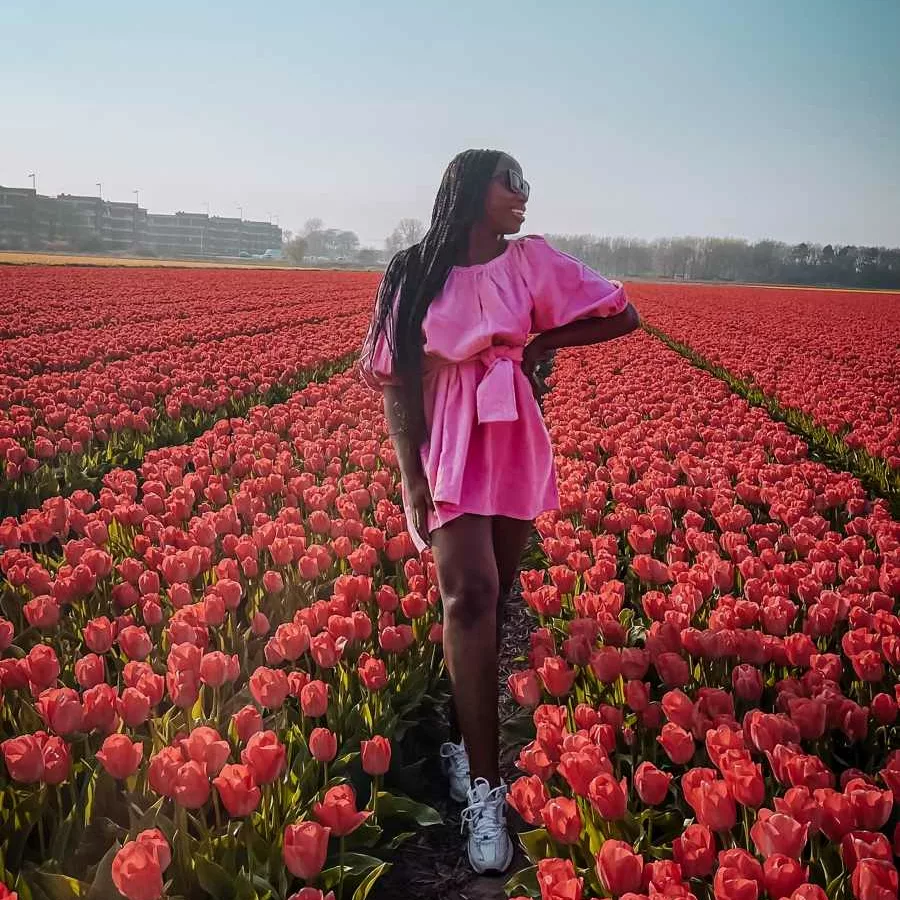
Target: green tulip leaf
x=391 y=807
x=214 y=879
x=399 y=839
x=537 y=844
x=102 y=887
x=368 y=882
x=364 y=837
x=59 y=887
x=523 y=882
x=356 y=867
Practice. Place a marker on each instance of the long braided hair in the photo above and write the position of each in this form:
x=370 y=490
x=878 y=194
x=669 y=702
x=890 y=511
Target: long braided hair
x=415 y=276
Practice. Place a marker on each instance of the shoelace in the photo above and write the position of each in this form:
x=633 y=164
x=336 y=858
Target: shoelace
x=456 y=759
x=485 y=826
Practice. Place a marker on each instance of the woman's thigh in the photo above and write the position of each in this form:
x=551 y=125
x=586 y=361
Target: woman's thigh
x=463 y=551
x=509 y=537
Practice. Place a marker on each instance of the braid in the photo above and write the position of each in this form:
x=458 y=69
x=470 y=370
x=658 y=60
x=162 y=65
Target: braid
x=415 y=276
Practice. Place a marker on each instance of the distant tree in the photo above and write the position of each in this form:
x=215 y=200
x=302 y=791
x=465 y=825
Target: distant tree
x=295 y=250
x=345 y=244
x=312 y=225
x=407 y=233
x=367 y=256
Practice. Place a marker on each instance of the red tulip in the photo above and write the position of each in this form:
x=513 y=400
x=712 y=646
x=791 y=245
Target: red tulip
x=119 y=756
x=265 y=756
x=133 y=706
x=136 y=871
x=305 y=848
x=730 y=884
x=695 y=851
x=864 y=845
x=619 y=867
x=238 y=790
x=269 y=687
x=652 y=784
x=778 y=833
x=314 y=699
x=247 y=721
x=558 y=880
x=556 y=676
x=57 y=760
x=163 y=769
x=375 y=755
x=561 y=819
x=525 y=688
x=528 y=796
x=678 y=743
x=61 y=710
x=782 y=875
x=608 y=796
x=204 y=745
x=99 y=634
x=337 y=811
x=323 y=744
x=874 y=879
x=191 y=787
x=24 y=758
x=135 y=642
x=714 y=806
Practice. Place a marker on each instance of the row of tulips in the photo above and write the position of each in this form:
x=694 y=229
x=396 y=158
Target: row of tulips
x=877 y=474
x=203 y=687
x=60 y=303
x=713 y=673
x=61 y=431
x=828 y=355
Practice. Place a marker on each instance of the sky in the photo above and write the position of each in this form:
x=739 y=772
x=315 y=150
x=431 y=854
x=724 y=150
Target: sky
x=645 y=118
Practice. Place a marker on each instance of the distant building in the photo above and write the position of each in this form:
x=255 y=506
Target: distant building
x=29 y=220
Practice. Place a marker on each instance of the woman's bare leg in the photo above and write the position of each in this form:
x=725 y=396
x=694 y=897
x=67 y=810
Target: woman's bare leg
x=469 y=584
x=510 y=539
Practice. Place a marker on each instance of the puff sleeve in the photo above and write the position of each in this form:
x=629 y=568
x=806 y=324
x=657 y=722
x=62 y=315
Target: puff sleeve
x=564 y=289
x=375 y=365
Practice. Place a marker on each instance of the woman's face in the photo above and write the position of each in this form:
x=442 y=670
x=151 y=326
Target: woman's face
x=504 y=210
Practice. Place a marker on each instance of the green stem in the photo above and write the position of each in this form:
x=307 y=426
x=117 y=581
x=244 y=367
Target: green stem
x=340 y=895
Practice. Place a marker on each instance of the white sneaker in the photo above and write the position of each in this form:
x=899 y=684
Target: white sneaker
x=455 y=763
x=489 y=845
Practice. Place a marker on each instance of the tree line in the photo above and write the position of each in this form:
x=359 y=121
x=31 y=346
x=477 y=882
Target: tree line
x=680 y=258
x=731 y=259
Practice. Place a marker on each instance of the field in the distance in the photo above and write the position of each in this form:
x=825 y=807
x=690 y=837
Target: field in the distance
x=17 y=258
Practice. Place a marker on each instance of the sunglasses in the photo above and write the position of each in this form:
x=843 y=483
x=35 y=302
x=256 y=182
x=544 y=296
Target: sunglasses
x=514 y=182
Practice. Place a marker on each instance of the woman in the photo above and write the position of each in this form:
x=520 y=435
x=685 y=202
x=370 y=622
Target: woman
x=447 y=345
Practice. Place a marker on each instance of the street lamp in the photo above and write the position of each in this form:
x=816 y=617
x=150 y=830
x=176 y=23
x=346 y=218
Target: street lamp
x=137 y=196
x=33 y=178
x=99 y=189
x=240 y=226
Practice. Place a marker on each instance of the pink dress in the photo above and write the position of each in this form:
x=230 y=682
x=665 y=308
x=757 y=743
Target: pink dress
x=488 y=450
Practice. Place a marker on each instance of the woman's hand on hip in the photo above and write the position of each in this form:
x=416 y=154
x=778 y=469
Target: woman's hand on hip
x=532 y=356
x=420 y=502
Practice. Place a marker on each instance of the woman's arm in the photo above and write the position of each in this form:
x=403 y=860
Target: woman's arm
x=399 y=430
x=592 y=330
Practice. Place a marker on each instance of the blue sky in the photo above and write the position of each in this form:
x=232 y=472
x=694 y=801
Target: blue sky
x=762 y=119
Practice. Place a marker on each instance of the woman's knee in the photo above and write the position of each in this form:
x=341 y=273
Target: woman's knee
x=473 y=599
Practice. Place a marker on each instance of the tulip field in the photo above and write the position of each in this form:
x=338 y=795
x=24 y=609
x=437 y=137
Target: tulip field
x=215 y=631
